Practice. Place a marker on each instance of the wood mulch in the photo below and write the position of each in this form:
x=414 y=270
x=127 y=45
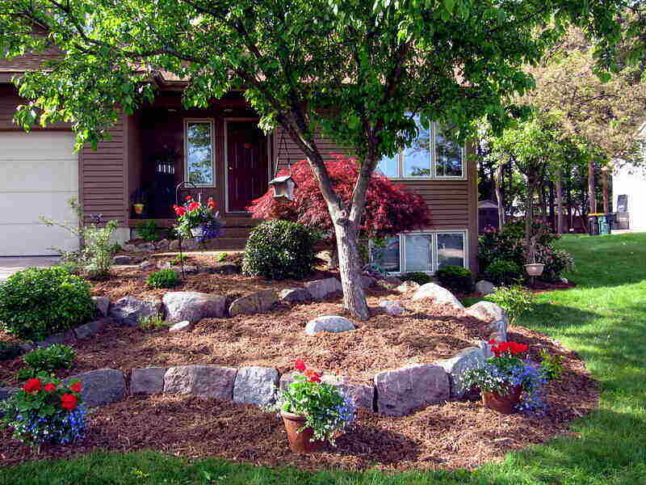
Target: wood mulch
x=454 y=435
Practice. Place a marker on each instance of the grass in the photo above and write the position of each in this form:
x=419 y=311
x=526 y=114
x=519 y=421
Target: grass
x=604 y=319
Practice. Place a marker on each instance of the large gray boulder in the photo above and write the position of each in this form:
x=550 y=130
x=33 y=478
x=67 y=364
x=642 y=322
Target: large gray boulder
x=258 y=302
x=193 y=306
x=89 y=329
x=201 y=380
x=328 y=323
x=295 y=295
x=392 y=307
x=129 y=310
x=493 y=314
x=223 y=268
x=255 y=385
x=103 y=386
x=122 y=260
x=149 y=380
x=102 y=305
x=402 y=391
x=57 y=339
x=322 y=289
x=458 y=365
x=438 y=294
x=485 y=287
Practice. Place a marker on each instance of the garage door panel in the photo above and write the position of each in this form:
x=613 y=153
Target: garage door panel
x=33 y=240
x=26 y=208
x=29 y=175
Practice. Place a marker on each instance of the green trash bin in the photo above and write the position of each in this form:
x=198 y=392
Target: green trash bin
x=604 y=224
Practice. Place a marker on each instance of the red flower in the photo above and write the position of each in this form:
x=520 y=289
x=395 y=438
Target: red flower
x=188 y=197
x=179 y=210
x=69 y=402
x=50 y=387
x=513 y=348
x=299 y=365
x=33 y=385
x=76 y=387
x=312 y=375
x=193 y=206
x=211 y=203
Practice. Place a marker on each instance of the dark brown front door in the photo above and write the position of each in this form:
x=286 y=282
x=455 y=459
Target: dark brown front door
x=247 y=164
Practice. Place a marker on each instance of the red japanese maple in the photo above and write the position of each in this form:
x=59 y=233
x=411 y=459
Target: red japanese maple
x=390 y=208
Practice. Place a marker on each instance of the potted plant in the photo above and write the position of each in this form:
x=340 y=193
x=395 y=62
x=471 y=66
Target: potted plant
x=198 y=220
x=313 y=411
x=505 y=380
x=138 y=202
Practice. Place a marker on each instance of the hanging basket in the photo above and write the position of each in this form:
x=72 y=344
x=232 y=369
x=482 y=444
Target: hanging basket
x=534 y=269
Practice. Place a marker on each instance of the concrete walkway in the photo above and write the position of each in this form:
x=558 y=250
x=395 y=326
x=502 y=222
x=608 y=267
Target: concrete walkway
x=11 y=265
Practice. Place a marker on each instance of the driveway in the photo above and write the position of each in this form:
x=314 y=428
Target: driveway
x=11 y=265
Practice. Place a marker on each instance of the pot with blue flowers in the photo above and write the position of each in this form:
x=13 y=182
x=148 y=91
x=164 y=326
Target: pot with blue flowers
x=314 y=412
x=506 y=381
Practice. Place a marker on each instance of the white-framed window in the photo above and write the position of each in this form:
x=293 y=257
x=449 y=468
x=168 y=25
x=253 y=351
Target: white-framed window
x=423 y=251
x=431 y=155
x=199 y=160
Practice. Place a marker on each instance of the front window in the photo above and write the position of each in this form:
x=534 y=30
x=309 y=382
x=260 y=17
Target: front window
x=199 y=153
x=431 y=155
x=386 y=255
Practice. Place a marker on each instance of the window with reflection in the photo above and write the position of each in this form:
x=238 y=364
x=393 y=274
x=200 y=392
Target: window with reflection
x=450 y=249
x=199 y=153
x=386 y=255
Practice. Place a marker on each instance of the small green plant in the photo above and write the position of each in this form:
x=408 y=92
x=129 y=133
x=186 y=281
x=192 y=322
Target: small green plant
x=504 y=273
x=551 y=365
x=419 y=278
x=515 y=300
x=455 y=278
x=178 y=259
x=278 y=250
x=38 y=302
x=9 y=351
x=152 y=323
x=164 y=278
x=47 y=360
x=221 y=257
x=148 y=231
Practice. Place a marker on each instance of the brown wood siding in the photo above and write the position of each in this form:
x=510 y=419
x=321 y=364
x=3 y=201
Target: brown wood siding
x=9 y=101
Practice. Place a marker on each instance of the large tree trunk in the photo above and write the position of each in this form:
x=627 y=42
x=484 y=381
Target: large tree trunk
x=498 y=181
x=560 y=216
x=592 y=189
x=606 y=194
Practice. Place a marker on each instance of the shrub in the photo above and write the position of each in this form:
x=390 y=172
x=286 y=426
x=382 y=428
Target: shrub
x=455 y=278
x=148 y=231
x=419 y=278
x=38 y=302
x=279 y=250
x=164 y=278
x=327 y=409
x=46 y=411
x=47 y=360
x=503 y=272
x=551 y=365
x=556 y=262
x=515 y=300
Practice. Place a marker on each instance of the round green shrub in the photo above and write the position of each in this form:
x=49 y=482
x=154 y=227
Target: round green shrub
x=504 y=273
x=164 y=278
x=455 y=278
x=39 y=302
x=279 y=250
x=419 y=278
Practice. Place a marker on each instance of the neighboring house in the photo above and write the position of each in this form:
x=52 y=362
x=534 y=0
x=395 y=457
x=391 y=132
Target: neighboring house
x=629 y=192
x=224 y=154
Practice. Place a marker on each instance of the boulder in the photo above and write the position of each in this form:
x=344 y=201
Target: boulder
x=441 y=296
x=295 y=295
x=329 y=258
x=122 y=259
x=257 y=302
x=188 y=269
x=146 y=247
x=223 y=268
x=149 y=380
x=328 y=323
x=147 y=265
x=486 y=349
x=485 y=287
x=368 y=281
x=407 y=286
x=456 y=366
x=103 y=386
x=389 y=282
x=187 y=245
x=322 y=289
x=201 y=380
x=129 y=247
x=163 y=244
x=193 y=306
x=164 y=265
x=89 y=329
x=362 y=395
x=129 y=310
x=57 y=338
x=184 y=326
x=497 y=317
x=255 y=385
x=402 y=391
x=102 y=305
x=392 y=307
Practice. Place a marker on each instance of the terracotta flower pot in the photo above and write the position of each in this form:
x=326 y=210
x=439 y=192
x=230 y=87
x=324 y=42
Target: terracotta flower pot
x=138 y=208
x=300 y=442
x=502 y=403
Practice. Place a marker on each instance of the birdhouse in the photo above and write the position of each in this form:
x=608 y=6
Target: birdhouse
x=283 y=187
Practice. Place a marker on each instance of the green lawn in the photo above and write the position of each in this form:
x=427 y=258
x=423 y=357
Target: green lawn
x=604 y=319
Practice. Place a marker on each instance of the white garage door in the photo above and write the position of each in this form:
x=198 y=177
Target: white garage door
x=38 y=175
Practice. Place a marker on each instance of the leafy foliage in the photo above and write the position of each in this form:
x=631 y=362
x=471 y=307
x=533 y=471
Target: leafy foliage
x=152 y=323
x=551 y=365
x=38 y=302
x=47 y=360
x=278 y=250
x=455 y=278
x=148 y=231
x=503 y=272
x=515 y=300
x=164 y=278
x=419 y=278
x=390 y=208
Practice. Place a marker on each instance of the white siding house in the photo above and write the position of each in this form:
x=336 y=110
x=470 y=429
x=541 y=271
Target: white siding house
x=629 y=190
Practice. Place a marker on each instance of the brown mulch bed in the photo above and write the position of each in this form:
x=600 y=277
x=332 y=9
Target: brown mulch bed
x=454 y=435
x=424 y=334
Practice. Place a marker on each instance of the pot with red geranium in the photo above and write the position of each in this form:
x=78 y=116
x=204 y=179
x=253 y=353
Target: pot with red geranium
x=313 y=411
x=198 y=220
x=506 y=381
x=45 y=410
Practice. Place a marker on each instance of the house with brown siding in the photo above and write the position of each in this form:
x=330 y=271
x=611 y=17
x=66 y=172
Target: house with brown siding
x=165 y=152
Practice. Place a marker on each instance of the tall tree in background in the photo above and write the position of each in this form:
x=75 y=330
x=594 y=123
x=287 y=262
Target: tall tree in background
x=354 y=70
